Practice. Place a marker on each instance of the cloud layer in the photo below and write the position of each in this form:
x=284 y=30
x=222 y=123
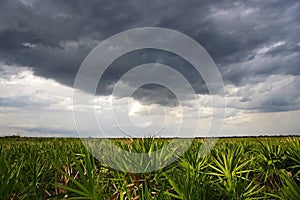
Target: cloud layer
x=255 y=44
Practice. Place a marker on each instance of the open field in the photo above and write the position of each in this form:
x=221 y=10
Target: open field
x=237 y=168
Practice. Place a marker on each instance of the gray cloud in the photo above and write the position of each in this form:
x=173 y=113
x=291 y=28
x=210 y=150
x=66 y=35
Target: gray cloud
x=53 y=37
x=23 y=101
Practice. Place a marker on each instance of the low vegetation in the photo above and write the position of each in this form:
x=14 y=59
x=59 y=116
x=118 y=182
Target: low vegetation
x=236 y=168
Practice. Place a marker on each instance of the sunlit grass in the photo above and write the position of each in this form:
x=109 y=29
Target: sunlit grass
x=237 y=168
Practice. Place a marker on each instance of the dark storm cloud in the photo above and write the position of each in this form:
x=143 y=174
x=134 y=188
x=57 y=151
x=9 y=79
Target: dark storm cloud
x=152 y=94
x=54 y=36
x=281 y=101
x=128 y=61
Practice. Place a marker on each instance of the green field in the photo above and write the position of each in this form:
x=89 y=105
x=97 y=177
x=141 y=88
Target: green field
x=236 y=168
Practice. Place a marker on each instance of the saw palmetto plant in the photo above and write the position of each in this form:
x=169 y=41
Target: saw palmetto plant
x=35 y=168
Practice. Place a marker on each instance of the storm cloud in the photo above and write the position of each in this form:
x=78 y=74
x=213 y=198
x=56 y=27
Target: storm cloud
x=249 y=41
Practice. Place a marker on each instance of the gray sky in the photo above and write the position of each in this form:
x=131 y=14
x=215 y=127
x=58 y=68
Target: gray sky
x=255 y=44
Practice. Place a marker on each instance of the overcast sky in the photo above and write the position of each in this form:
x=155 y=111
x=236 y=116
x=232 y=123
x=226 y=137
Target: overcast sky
x=255 y=44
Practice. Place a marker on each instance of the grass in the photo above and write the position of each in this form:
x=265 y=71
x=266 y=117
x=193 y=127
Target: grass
x=236 y=168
